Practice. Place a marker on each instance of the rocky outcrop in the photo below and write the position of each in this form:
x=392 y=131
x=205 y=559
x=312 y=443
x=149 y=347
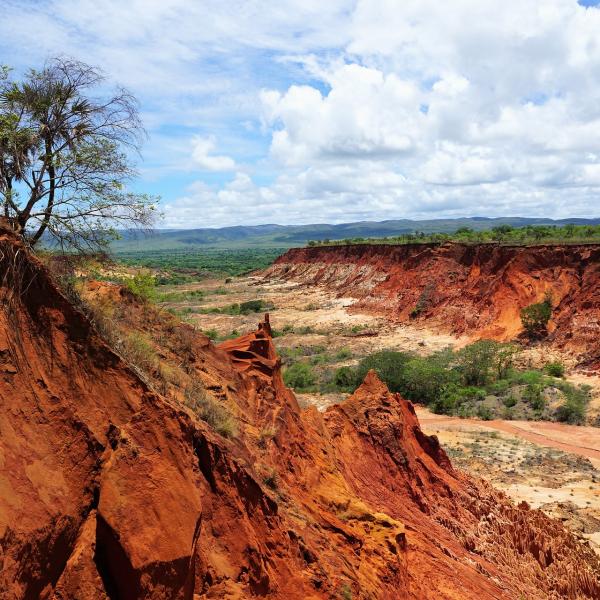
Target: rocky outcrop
x=109 y=490
x=476 y=290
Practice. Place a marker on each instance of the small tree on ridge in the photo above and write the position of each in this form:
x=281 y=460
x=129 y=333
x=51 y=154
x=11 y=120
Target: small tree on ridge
x=65 y=156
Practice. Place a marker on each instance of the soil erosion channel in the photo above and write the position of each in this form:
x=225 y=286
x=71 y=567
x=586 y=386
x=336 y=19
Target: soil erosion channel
x=553 y=466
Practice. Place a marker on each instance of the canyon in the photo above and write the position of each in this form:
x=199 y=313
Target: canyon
x=112 y=487
x=472 y=290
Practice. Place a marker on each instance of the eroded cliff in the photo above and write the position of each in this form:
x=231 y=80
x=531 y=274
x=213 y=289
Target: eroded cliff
x=476 y=290
x=110 y=490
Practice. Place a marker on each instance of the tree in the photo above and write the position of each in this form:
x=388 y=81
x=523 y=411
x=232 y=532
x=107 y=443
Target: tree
x=389 y=366
x=299 y=376
x=477 y=362
x=535 y=317
x=65 y=156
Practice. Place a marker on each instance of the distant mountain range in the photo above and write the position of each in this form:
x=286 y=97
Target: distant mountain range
x=288 y=236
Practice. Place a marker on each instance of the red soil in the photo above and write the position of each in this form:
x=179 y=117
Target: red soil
x=463 y=289
x=108 y=490
x=552 y=435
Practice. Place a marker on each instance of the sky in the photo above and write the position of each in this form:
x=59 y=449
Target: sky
x=312 y=111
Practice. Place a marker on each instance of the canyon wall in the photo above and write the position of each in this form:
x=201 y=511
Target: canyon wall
x=109 y=490
x=477 y=290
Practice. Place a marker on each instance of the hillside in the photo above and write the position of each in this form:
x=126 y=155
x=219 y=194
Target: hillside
x=286 y=236
x=113 y=490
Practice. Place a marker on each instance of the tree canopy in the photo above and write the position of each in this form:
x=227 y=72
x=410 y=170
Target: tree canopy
x=66 y=156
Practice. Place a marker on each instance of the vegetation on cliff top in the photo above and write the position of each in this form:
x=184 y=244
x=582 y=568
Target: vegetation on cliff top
x=506 y=234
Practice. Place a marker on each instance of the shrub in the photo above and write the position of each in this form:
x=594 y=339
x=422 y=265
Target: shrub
x=205 y=407
x=345 y=378
x=389 y=365
x=319 y=359
x=266 y=435
x=527 y=377
x=508 y=414
x=426 y=379
x=343 y=354
x=271 y=479
x=346 y=592
x=211 y=334
x=555 y=369
x=485 y=360
x=574 y=408
x=177 y=296
x=484 y=413
x=299 y=376
x=138 y=350
x=254 y=306
x=142 y=285
x=454 y=397
x=533 y=396
x=423 y=301
x=535 y=317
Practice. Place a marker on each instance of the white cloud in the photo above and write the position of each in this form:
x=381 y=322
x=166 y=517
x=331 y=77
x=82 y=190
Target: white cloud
x=364 y=114
x=202 y=156
x=369 y=110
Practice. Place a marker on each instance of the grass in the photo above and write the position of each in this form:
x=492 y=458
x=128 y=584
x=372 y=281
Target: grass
x=288 y=328
x=207 y=408
x=243 y=308
x=137 y=349
x=180 y=296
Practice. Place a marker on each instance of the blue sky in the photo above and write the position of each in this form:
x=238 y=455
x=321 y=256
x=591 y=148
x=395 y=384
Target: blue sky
x=299 y=112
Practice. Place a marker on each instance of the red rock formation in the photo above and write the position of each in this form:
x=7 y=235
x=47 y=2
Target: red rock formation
x=108 y=490
x=464 y=289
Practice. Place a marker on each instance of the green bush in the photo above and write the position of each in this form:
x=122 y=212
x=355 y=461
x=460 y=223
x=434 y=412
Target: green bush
x=453 y=397
x=555 y=369
x=533 y=396
x=527 y=377
x=343 y=354
x=574 y=408
x=345 y=378
x=182 y=296
x=211 y=334
x=138 y=350
x=426 y=379
x=245 y=308
x=535 y=317
x=299 y=376
x=483 y=412
x=142 y=285
x=254 y=306
x=484 y=361
x=389 y=365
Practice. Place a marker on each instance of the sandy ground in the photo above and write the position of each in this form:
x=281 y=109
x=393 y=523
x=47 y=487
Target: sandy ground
x=552 y=466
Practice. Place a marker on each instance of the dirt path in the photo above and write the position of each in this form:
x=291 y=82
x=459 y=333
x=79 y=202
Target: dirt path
x=583 y=441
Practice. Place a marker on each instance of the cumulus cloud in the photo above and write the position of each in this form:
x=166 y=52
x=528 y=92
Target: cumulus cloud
x=204 y=159
x=347 y=110
x=365 y=114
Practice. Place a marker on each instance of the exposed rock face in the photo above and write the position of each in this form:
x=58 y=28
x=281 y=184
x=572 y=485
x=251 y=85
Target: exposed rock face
x=477 y=290
x=110 y=491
